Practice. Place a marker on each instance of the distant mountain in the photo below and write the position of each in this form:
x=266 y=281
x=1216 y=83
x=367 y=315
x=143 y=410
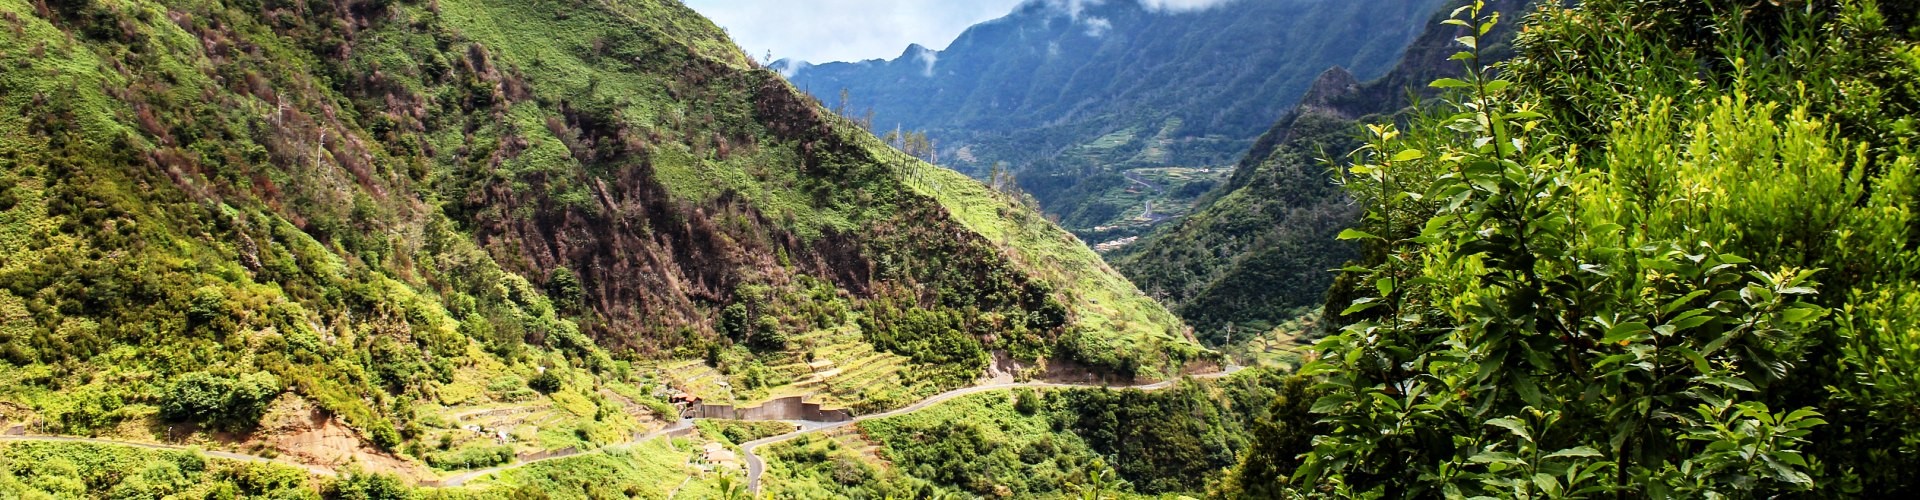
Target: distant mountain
x=1069 y=92
x=1260 y=247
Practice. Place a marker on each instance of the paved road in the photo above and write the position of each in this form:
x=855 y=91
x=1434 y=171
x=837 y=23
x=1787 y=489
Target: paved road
x=167 y=447
x=1148 y=214
x=756 y=466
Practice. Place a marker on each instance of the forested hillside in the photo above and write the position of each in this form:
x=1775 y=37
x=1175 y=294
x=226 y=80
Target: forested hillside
x=1071 y=94
x=1259 y=249
x=1666 y=251
x=217 y=217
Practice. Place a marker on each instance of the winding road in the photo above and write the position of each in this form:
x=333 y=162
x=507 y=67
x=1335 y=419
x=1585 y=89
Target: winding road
x=755 y=465
x=1147 y=214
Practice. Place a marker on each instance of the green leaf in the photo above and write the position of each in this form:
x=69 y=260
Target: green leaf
x=1801 y=314
x=1469 y=41
x=1385 y=285
x=1512 y=425
x=1689 y=323
x=1356 y=234
x=1625 y=332
x=1498 y=85
x=1576 y=452
x=1699 y=362
x=1361 y=305
x=1329 y=404
x=1409 y=155
x=1732 y=383
x=1493 y=457
x=1451 y=83
x=1547 y=484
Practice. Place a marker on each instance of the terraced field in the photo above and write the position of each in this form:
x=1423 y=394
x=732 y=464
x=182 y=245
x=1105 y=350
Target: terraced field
x=836 y=368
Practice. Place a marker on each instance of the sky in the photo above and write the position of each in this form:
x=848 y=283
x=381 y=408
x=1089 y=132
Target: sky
x=820 y=31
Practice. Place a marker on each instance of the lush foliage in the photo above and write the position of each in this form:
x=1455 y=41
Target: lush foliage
x=1030 y=443
x=1262 y=249
x=223 y=402
x=1261 y=245
x=741 y=431
x=1669 y=253
x=72 y=470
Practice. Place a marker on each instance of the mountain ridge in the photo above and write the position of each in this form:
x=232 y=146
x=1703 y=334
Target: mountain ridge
x=1261 y=249
x=1068 y=98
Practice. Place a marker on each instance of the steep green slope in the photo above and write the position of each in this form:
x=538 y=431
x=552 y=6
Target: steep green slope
x=1260 y=248
x=1071 y=94
x=384 y=207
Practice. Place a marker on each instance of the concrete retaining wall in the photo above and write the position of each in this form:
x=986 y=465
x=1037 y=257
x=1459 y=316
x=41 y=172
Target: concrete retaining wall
x=787 y=408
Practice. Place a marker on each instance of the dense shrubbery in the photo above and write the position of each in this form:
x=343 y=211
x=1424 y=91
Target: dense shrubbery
x=741 y=431
x=218 y=401
x=1672 y=255
x=75 y=470
x=471 y=457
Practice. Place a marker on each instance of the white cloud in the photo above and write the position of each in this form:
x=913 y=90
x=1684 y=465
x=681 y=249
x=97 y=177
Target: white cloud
x=846 y=30
x=852 y=30
x=1097 y=27
x=928 y=58
x=1181 y=5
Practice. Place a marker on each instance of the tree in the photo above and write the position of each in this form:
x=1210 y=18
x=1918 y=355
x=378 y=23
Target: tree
x=547 y=382
x=361 y=485
x=564 y=287
x=220 y=402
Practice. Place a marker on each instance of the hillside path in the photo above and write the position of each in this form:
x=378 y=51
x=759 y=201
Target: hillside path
x=756 y=466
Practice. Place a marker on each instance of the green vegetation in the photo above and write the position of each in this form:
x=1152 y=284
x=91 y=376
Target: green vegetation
x=222 y=402
x=392 y=212
x=1028 y=443
x=1255 y=255
x=474 y=455
x=1674 y=259
x=77 y=470
x=648 y=470
x=1261 y=246
x=737 y=432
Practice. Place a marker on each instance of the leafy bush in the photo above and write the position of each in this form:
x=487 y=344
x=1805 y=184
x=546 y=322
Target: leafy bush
x=82 y=470
x=356 y=485
x=471 y=457
x=219 y=401
x=1633 y=273
x=547 y=382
